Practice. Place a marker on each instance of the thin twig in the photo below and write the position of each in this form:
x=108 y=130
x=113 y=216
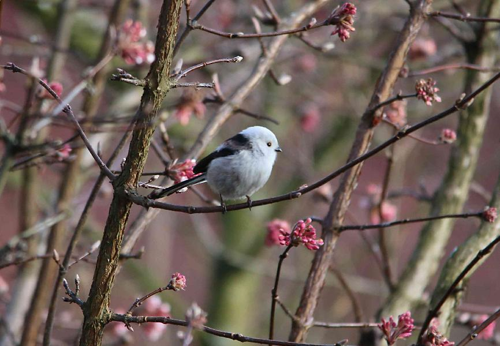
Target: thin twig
x=196 y=85
x=274 y=291
x=405 y=221
x=184 y=73
x=356 y=306
x=274 y=14
x=345 y=325
x=446 y=67
x=241 y=35
x=398 y=97
x=138 y=302
x=402 y=133
x=189 y=28
x=463 y=18
x=67 y=109
x=476 y=330
x=228 y=335
x=434 y=312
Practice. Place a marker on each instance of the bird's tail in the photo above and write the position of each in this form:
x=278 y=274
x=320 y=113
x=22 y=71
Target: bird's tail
x=199 y=179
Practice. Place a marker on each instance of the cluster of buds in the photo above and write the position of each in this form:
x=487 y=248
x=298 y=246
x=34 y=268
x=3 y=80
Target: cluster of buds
x=133 y=49
x=422 y=48
x=402 y=330
x=427 y=91
x=396 y=113
x=448 y=136
x=274 y=229
x=44 y=93
x=310 y=118
x=196 y=317
x=177 y=282
x=182 y=171
x=303 y=233
x=191 y=102
x=343 y=19
x=434 y=338
x=154 y=306
x=388 y=211
x=490 y=214
x=63 y=152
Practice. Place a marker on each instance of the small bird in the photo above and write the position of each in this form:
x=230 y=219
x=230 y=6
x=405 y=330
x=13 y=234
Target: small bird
x=238 y=168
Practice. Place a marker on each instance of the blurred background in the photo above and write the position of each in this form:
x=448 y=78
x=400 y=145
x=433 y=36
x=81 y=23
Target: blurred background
x=229 y=269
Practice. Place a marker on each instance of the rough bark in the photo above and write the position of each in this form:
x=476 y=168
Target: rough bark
x=96 y=308
x=342 y=198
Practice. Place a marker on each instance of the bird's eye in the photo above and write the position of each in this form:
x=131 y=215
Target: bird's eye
x=269 y=144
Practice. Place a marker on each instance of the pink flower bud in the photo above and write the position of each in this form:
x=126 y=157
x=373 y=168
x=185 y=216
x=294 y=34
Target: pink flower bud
x=402 y=330
x=196 y=317
x=64 y=152
x=310 y=118
x=490 y=214
x=274 y=229
x=343 y=19
x=303 y=233
x=131 y=48
x=433 y=337
x=396 y=113
x=55 y=86
x=448 y=136
x=182 y=171
x=487 y=332
x=427 y=92
x=178 y=282
x=422 y=48
x=190 y=103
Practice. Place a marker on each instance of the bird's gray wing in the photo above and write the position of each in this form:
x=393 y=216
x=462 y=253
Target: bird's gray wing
x=230 y=147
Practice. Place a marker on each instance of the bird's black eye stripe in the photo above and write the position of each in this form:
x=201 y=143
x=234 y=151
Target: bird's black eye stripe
x=240 y=139
x=269 y=144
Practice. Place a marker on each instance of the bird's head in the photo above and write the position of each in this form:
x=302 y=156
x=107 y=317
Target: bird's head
x=262 y=139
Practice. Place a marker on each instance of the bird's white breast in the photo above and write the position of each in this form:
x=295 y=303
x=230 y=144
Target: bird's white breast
x=239 y=175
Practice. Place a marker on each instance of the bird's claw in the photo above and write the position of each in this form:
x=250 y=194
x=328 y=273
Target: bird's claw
x=223 y=205
x=249 y=202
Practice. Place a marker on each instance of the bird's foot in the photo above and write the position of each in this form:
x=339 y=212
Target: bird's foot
x=223 y=205
x=249 y=202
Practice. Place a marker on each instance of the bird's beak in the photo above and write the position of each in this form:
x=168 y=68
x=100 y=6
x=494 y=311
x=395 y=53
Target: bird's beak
x=278 y=149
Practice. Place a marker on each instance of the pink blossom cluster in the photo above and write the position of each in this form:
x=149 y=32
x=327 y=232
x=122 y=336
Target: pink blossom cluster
x=490 y=214
x=196 y=317
x=427 y=91
x=434 y=338
x=343 y=19
x=133 y=49
x=64 y=152
x=388 y=211
x=177 y=282
x=488 y=332
x=55 y=86
x=422 y=48
x=303 y=233
x=190 y=103
x=274 y=229
x=448 y=136
x=182 y=171
x=396 y=113
x=310 y=118
x=155 y=307
x=402 y=330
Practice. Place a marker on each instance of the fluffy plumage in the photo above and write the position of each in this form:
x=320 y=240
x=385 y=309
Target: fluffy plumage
x=238 y=168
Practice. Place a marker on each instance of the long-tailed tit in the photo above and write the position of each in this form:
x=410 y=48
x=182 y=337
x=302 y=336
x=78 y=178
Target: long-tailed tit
x=237 y=168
